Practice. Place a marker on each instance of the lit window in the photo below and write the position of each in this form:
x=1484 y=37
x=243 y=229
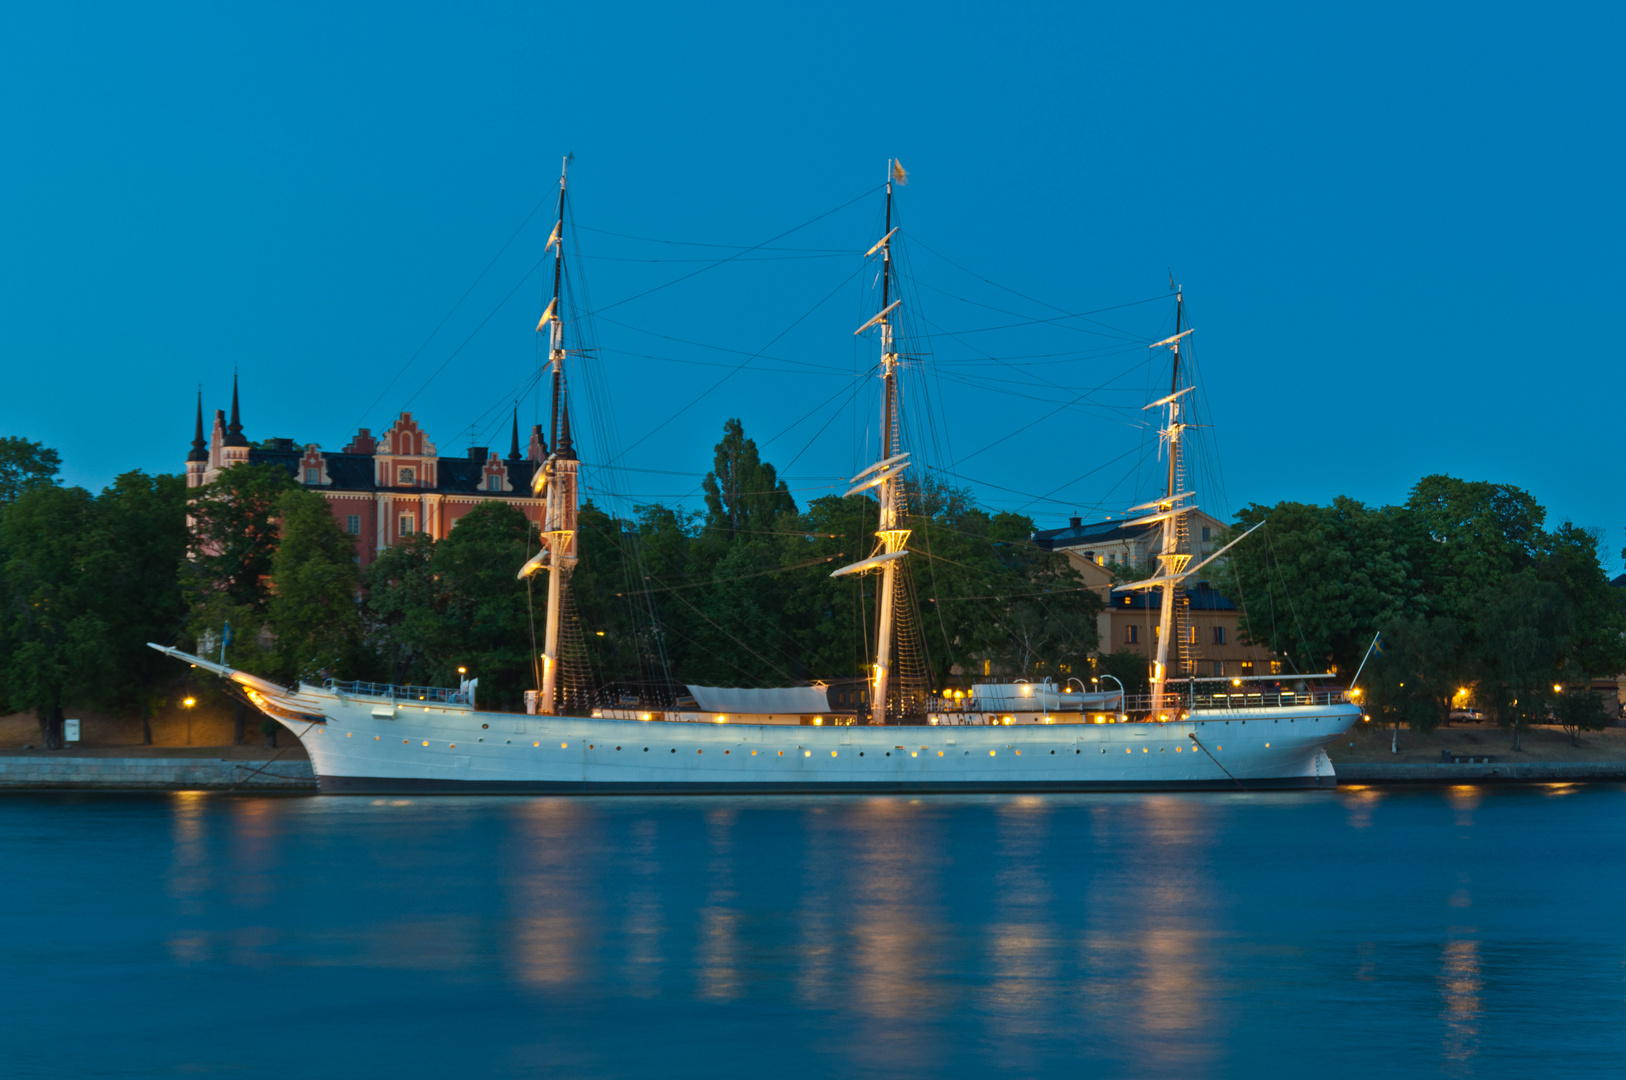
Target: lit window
x=313 y=476
x=1131 y=634
x=352 y=525
x=1275 y=667
x=1219 y=635
x=408 y=523
x=1247 y=667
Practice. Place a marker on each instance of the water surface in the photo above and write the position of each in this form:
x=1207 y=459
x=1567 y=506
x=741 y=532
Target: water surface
x=1455 y=932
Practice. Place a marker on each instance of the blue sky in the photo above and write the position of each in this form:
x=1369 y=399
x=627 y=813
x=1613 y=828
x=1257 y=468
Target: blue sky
x=1398 y=228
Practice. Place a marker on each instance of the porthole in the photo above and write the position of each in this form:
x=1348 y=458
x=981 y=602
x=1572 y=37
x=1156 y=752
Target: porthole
x=618 y=748
x=646 y=749
x=889 y=753
x=485 y=726
x=860 y=753
x=1052 y=753
x=674 y=749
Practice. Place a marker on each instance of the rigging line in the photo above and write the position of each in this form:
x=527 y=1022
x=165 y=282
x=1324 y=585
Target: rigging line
x=1124 y=335
x=692 y=243
x=500 y=305
x=809 y=444
x=1193 y=736
x=714 y=386
x=741 y=577
x=770 y=258
x=731 y=258
x=1057 y=319
x=1076 y=479
x=704 y=345
x=1309 y=656
x=822 y=370
x=987 y=281
x=368 y=411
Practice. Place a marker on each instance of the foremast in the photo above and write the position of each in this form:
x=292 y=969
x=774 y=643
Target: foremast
x=884 y=475
x=559 y=472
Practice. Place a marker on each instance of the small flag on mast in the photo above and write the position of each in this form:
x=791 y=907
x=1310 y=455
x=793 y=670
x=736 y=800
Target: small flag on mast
x=553 y=237
x=898 y=175
x=549 y=315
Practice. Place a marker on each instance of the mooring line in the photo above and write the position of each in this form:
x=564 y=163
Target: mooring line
x=1193 y=736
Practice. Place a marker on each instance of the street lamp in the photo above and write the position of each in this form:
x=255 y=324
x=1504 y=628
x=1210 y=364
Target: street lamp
x=189 y=703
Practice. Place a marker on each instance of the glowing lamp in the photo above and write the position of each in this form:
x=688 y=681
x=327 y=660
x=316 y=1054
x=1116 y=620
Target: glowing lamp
x=189 y=702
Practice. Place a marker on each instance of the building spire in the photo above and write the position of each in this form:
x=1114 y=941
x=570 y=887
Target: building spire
x=234 y=430
x=200 y=449
x=563 y=448
x=513 y=442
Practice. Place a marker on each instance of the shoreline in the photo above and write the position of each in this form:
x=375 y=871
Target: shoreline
x=201 y=770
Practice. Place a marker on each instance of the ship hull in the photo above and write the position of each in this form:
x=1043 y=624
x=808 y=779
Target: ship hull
x=368 y=747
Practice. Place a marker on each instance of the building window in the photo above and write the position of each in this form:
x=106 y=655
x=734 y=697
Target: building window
x=1219 y=668
x=408 y=523
x=494 y=482
x=313 y=476
x=406 y=475
x=1275 y=667
x=352 y=525
x=1205 y=532
x=1247 y=667
x=1219 y=635
x=1131 y=634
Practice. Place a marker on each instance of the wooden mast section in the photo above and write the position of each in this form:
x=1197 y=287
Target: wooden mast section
x=884 y=474
x=1171 y=561
x=559 y=473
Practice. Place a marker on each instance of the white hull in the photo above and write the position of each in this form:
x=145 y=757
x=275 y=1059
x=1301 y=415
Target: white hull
x=366 y=745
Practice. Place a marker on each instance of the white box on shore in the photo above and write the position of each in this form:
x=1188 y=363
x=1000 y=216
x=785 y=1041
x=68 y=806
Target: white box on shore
x=70 y=731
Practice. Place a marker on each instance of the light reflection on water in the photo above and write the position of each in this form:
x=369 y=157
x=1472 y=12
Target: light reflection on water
x=1157 y=935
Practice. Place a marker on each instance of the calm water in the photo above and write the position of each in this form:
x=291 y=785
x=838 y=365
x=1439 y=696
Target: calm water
x=1460 y=932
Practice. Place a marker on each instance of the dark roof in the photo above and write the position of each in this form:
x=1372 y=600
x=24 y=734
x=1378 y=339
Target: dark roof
x=355 y=472
x=1204 y=597
x=1094 y=532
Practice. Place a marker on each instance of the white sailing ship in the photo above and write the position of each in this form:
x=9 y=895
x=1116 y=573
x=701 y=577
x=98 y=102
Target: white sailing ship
x=1193 y=733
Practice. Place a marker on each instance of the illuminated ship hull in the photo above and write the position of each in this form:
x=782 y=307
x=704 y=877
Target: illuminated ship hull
x=382 y=745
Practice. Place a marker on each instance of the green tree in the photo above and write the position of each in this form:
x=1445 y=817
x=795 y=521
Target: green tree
x=1468 y=536
x=1522 y=630
x=25 y=465
x=1414 y=679
x=404 y=613
x=1578 y=709
x=313 y=609
x=1317 y=581
x=51 y=641
x=234 y=533
x=743 y=492
x=129 y=566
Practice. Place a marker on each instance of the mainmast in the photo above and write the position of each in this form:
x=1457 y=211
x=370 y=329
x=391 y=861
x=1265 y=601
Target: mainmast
x=558 y=473
x=1171 y=560
x=884 y=474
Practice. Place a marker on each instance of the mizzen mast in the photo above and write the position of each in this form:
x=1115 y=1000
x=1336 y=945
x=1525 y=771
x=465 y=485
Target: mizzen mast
x=1171 y=560
x=884 y=474
x=559 y=473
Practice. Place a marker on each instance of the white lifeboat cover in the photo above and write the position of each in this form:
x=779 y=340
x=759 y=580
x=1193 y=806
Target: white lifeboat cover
x=773 y=701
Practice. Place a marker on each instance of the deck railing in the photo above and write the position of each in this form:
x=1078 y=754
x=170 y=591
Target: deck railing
x=391 y=692
x=1139 y=706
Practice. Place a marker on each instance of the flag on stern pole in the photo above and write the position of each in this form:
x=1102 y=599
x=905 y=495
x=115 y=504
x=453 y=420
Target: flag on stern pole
x=898 y=175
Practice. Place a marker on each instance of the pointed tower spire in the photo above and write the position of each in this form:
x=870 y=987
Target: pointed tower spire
x=563 y=448
x=513 y=441
x=200 y=448
x=234 y=430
